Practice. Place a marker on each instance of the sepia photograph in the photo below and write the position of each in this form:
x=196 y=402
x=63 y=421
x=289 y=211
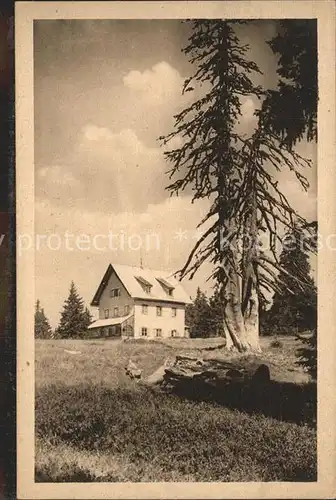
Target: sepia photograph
x=173 y=239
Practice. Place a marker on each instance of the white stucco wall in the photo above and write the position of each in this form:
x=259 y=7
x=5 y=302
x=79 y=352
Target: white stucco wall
x=151 y=321
x=107 y=302
x=167 y=322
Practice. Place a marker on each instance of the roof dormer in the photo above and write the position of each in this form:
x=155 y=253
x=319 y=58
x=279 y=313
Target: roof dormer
x=168 y=288
x=146 y=285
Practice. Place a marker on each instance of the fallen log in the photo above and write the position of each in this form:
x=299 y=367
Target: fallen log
x=219 y=377
x=155 y=378
x=190 y=358
x=133 y=371
x=217 y=373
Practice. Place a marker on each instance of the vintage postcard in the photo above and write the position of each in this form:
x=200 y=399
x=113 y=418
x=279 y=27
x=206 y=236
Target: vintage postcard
x=175 y=241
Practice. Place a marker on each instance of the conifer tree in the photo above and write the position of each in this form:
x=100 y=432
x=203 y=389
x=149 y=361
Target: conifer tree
x=307 y=354
x=198 y=316
x=292 y=106
x=42 y=326
x=87 y=317
x=237 y=173
x=74 y=319
x=216 y=314
x=294 y=306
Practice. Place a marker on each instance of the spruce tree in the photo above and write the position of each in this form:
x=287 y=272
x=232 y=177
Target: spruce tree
x=307 y=354
x=198 y=316
x=294 y=306
x=42 y=326
x=74 y=318
x=237 y=173
x=87 y=317
x=292 y=107
x=216 y=314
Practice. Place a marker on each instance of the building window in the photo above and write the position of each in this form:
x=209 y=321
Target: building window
x=144 y=331
x=144 y=309
x=174 y=311
x=158 y=310
x=127 y=309
x=116 y=312
x=115 y=292
x=170 y=292
x=106 y=313
x=158 y=332
x=173 y=333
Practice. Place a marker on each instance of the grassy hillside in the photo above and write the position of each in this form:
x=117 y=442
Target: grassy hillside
x=103 y=361
x=95 y=424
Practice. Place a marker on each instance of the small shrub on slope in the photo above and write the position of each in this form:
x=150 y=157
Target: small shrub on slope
x=276 y=343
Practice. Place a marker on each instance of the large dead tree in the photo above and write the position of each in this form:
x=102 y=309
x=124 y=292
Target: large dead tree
x=238 y=175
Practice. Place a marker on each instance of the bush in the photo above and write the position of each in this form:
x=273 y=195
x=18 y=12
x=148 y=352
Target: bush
x=194 y=439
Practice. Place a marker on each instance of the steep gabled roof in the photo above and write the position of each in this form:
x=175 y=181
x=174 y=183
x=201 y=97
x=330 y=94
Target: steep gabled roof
x=131 y=278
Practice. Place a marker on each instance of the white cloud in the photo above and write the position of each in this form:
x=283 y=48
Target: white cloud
x=87 y=267
x=94 y=133
x=159 y=85
x=107 y=171
x=57 y=174
x=247 y=121
x=123 y=147
x=175 y=143
x=248 y=107
x=304 y=202
x=121 y=171
x=57 y=183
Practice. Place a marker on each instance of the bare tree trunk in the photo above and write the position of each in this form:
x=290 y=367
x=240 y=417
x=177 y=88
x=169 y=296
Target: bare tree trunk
x=233 y=317
x=242 y=331
x=229 y=344
x=250 y=299
x=251 y=318
x=241 y=312
x=239 y=294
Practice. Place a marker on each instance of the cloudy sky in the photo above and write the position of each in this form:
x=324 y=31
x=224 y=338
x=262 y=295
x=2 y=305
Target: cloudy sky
x=103 y=93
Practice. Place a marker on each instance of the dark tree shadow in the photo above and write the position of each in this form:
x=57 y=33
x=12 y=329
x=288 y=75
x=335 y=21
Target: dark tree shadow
x=280 y=400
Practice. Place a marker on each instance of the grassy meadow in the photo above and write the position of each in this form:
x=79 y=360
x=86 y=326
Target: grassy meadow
x=94 y=424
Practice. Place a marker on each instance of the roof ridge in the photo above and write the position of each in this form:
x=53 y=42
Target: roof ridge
x=144 y=268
